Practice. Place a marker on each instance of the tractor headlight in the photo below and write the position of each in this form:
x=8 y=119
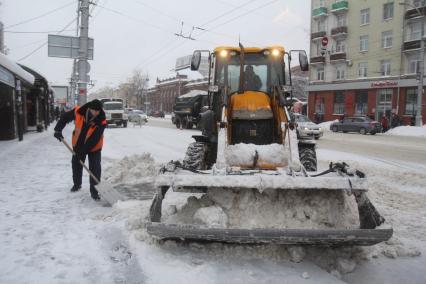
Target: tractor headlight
x=275 y=52
x=223 y=53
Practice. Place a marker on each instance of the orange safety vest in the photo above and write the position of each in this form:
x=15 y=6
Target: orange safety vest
x=79 y=121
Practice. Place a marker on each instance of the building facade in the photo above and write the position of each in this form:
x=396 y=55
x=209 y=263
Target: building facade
x=365 y=59
x=162 y=96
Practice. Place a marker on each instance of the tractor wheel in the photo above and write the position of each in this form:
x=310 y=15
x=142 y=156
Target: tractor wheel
x=196 y=155
x=177 y=123
x=308 y=157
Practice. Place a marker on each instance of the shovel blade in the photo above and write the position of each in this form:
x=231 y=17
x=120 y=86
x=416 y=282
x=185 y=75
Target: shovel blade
x=108 y=193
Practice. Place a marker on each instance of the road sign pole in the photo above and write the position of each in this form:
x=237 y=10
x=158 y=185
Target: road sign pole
x=83 y=53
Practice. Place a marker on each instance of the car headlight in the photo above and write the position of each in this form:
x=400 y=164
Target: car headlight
x=108 y=115
x=125 y=116
x=320 y=129
x=305 y=128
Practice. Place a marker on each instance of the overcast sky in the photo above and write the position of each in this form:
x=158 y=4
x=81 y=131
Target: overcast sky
x=131 y=34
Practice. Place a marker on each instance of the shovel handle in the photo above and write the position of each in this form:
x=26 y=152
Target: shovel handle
x=81 y=162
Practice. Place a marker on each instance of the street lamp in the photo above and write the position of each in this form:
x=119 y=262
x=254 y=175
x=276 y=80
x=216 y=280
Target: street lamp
x=419 y=120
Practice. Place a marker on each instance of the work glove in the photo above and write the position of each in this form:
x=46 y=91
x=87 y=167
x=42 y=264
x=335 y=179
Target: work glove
x=58 y=135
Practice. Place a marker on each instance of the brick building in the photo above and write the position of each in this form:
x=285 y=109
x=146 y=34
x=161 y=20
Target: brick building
x=161 y=96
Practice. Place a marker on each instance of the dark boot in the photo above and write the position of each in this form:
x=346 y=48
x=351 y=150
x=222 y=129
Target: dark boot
x=95 y=196
x=75 y=188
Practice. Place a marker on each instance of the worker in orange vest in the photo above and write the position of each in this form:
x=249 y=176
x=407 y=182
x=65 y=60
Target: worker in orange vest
x=87 y=139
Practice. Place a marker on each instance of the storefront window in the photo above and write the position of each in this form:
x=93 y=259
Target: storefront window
x=339 y=103
x=361 y=103
x=411 y=102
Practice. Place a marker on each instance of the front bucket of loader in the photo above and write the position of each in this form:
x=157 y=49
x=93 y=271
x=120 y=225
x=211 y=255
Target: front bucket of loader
x=265 y=208
x=322 y=237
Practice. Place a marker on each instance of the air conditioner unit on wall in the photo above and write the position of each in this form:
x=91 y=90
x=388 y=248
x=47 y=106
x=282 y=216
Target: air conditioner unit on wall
x=349 y=63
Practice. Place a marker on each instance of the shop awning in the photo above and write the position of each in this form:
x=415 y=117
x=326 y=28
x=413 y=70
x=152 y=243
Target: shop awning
x=15 y=69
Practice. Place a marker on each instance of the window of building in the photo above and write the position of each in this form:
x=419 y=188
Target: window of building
x=411 y=101
x=385 y=67
x=341 y=20
x=340 y=72
x=414 y=31
x=361 y=103
x=385 y=96
x=320 y=3
x=340 y=46
x=320 y=74
x=387 y=39
x=419 y=3
x=363 y=43
x=320 y=106
x=362 y=69
x=413 y=66
x=339 y=102
x=321 y=25
x=388 y=11
x=365 y=17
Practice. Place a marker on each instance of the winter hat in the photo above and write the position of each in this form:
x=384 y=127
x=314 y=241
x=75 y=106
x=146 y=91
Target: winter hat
x=95 y=105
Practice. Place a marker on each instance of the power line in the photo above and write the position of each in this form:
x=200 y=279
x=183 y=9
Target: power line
x=45 y=43
x=40 y=16
x=34 y=32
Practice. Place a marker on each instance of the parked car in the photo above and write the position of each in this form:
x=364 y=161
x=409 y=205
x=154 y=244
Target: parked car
x=362 y=125
x=157 y=113
x=137 y=116
x=306 y=129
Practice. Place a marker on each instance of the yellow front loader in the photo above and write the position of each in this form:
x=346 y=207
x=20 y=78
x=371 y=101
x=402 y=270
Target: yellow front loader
x=252 y=180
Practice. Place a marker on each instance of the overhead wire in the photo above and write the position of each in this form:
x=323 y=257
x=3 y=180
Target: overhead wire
x=45 y=43
x=41 y=16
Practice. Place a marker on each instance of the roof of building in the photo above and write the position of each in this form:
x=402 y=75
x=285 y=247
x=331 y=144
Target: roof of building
x=193 y=93
x=16 y=69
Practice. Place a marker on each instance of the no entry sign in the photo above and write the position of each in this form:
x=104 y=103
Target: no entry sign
x=324 y=41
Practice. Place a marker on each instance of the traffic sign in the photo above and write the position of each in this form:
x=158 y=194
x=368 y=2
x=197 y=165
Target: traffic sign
x=324 y=41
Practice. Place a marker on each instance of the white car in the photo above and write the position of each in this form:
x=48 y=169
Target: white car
x=138 y=116
x=306 y=129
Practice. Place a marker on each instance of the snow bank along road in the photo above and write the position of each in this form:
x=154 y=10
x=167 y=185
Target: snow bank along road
x=49 y=235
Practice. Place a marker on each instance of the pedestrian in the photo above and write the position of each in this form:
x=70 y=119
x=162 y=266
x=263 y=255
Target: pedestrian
x=395 y=120
x=87 y=140
x=57 y=113
x=385 y=123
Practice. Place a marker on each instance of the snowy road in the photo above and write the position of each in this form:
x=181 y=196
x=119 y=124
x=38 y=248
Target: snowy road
x=380 y=147
x=49 y=235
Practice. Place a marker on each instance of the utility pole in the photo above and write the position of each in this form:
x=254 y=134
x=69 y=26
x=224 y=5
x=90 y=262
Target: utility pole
x=422 y=16
x=1 y=37
x=419 y=119
x=83 y=64
x=74 y=78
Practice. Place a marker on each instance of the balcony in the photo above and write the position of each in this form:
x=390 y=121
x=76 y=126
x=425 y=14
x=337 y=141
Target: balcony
x=339 y=7
x=411 y=45
x=319 y=12
x=339 y=32
x=318 y=35
x=338 y=56
x=412 y=13
x=317 y=59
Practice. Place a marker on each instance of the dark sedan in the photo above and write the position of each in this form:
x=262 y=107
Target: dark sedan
x=362 y=125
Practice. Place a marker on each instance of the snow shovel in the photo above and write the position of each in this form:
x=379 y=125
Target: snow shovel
x=105 y=189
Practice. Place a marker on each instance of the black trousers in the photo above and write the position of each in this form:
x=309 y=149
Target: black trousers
x=94 y=166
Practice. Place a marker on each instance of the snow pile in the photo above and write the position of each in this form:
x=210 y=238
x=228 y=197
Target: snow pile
x=408 y=131
x=326 y=125
x=247 y=155
x=130 y=169
x=249 y=208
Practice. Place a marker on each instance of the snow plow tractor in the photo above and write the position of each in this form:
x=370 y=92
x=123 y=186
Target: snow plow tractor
x=247 y=177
